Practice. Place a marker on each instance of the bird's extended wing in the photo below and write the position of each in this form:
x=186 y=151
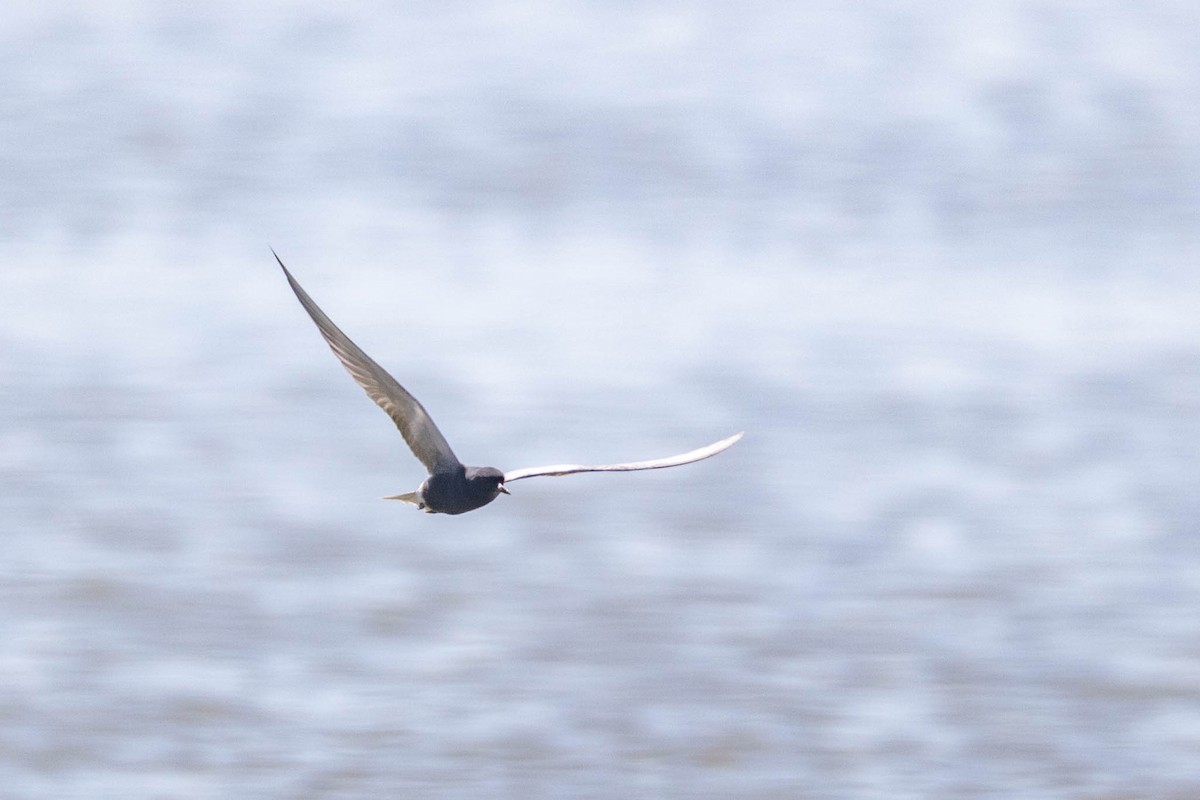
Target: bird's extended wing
x=657 y=463
x=414 y=422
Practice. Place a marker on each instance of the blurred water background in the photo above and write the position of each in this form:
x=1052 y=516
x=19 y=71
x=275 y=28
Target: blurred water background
x=938 y=260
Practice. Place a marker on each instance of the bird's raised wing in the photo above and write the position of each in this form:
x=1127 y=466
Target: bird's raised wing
x=657 y=463
x=414 y=422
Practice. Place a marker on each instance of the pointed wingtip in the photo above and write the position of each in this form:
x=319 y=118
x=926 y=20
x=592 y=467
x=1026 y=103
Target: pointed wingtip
x=287 y=274
x=279 y=261
x=730 y=441
x=721 y=446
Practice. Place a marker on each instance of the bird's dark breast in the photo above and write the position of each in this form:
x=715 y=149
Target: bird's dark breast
x=453 y=493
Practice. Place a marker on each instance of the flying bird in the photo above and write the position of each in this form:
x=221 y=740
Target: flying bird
x=452 y=487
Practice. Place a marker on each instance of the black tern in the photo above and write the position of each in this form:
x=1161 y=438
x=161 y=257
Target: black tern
x=452 y=487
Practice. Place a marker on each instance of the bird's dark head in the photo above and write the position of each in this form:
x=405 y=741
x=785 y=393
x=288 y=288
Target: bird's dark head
x=490 y=478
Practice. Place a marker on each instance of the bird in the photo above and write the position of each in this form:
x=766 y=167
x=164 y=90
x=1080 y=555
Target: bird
x=452 y=487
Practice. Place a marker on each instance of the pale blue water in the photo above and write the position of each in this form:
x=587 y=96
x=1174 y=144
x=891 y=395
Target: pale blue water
x=938 y=263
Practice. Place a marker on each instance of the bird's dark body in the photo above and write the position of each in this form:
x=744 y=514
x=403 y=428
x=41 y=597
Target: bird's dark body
x=461 y=490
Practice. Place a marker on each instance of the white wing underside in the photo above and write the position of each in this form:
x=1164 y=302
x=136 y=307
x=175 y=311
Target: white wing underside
x=657 y=463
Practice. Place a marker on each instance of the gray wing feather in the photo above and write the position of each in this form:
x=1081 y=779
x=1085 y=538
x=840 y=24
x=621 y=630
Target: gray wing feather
x=414 y=422
x=657 y=463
